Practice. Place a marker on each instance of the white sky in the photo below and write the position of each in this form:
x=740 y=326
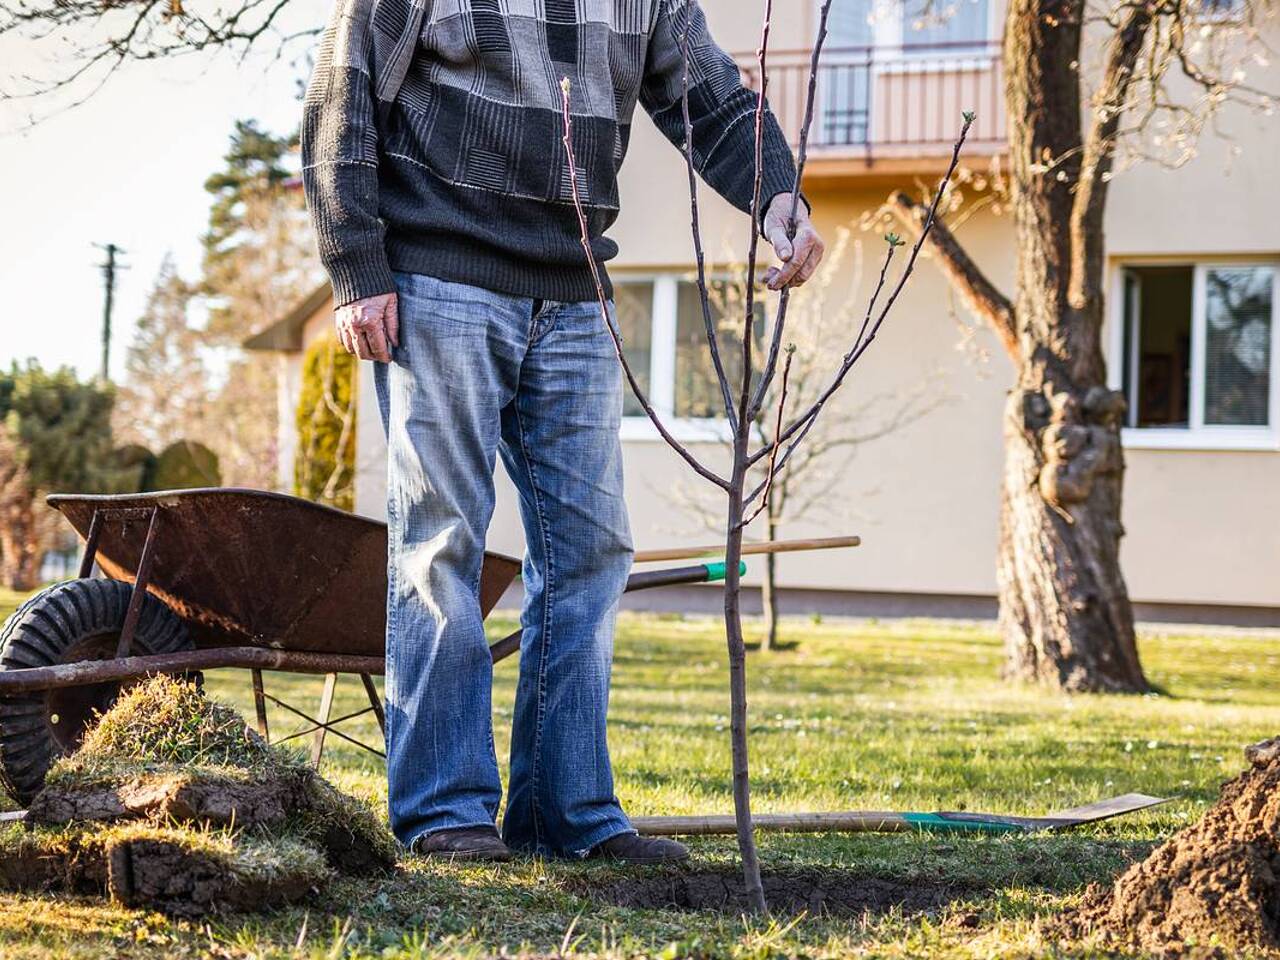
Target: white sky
x=128 y=166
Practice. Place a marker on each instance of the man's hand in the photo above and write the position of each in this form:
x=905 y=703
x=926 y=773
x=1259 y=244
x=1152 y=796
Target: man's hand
x=369 y=328
x=800 y=255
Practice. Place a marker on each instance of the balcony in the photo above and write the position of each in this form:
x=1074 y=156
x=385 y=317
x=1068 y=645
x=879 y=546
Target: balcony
x=888 y=110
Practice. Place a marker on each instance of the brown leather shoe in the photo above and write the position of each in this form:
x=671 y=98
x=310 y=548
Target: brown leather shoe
x=633 y=848
x=463 y=843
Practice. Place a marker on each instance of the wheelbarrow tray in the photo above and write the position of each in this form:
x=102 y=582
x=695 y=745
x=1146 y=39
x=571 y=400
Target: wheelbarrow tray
x=254 y=568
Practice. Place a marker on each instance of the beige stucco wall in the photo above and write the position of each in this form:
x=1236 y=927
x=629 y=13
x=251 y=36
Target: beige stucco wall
x=1203 y=526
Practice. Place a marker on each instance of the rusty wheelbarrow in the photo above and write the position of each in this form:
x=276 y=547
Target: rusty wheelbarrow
x=201 y=579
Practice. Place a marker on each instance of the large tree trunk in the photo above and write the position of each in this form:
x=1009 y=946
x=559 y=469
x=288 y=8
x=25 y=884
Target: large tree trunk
x=1064 y=608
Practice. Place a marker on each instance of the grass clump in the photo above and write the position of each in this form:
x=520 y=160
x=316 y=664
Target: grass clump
x=167 y=724
x=171 y=802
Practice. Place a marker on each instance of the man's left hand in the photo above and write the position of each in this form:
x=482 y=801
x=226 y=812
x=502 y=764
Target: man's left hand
x=801 y=254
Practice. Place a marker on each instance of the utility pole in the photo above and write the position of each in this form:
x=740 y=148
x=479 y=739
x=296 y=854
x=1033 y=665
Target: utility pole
x=109 y=268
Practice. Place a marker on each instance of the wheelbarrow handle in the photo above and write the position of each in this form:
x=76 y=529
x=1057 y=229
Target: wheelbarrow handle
x=748 y=549
x=702 y=573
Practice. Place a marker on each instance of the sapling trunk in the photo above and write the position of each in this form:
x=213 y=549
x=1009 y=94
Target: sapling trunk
x=743 y=401
x=738 y=701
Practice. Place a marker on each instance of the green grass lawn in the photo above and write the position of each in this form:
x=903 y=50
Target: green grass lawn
x=902 y=716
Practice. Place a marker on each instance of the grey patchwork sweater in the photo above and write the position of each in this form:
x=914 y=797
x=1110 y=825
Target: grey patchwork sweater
x=431 y=135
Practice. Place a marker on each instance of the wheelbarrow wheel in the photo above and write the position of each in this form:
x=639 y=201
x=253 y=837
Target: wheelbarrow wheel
x=67 y=623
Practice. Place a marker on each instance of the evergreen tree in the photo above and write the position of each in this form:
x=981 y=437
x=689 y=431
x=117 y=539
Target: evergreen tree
x=258 y=254
x=324 y=470
x=259 y=259
x=57 y=438
x=166 y=388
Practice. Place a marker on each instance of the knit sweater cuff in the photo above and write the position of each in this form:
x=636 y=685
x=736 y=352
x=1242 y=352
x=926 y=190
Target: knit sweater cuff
x=358 y=274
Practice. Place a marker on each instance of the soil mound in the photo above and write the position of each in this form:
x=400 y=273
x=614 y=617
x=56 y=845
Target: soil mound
x=172 y=802
x=1212 y=889
x=815 y=892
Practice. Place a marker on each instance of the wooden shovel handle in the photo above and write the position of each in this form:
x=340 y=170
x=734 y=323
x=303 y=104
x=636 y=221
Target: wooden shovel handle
x=768 y=546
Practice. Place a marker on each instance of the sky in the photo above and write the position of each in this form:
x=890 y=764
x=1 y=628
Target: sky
x=126 y=167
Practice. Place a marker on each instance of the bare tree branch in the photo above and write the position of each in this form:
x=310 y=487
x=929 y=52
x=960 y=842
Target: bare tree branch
x=1099 y=151
x=802 y=157
x=979 y=293
x=762 y=59
x=713 y=343
x=804 y=423
x=772 y=471
x=643 y=400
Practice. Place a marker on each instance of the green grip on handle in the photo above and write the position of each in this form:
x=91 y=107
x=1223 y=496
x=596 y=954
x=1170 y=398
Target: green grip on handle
x=940 y=824
x=717 y=571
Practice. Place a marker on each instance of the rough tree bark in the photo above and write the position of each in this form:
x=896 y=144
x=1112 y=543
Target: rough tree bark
x=1065 y=613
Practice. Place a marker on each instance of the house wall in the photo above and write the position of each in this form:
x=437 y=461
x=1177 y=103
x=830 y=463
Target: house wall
x=925 y=498
x=1203 y=526
x=288 y=387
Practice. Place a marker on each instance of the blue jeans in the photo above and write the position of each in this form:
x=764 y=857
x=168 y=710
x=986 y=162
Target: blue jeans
x=479 y=373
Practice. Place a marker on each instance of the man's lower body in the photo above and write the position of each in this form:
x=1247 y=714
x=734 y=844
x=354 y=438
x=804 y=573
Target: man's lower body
x=480 y=374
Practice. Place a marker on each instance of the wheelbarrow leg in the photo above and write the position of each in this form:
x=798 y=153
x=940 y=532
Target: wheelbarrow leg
x=326 y=708
x=260 y=705
x=375 y=702
x=140 y=581
x=91 y=546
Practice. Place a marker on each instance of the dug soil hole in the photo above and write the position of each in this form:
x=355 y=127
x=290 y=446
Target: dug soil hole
x=835 y=893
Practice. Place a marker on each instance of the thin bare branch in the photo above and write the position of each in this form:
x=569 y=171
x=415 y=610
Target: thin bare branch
x=772 y=472
x=979 y=294
x=643 y=400
x=802 y=158
x=748 y=323
x=704 y=298
x=802 y=424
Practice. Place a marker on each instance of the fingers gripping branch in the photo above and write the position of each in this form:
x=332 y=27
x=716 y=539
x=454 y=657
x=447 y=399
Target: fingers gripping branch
x=636 y=389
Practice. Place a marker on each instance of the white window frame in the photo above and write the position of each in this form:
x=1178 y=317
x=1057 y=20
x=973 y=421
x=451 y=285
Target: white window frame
x=1197 y=435
x=662 y=366
x=891 y=36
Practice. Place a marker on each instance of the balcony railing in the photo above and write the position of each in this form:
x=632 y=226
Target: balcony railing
x=902 y=101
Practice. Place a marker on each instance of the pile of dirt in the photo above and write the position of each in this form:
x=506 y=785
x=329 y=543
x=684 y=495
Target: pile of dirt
x=172 y=802
x=1214 y=889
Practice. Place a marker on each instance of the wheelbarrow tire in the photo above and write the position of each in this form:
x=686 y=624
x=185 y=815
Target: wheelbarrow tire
x=68 y=622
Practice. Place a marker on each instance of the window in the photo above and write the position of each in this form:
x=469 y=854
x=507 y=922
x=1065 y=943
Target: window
x=870 y=40
x=949 y=21
x=1237 y=350
x=1199 y=360
x=893 y=24
x=664 y=338
x=633 y=306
